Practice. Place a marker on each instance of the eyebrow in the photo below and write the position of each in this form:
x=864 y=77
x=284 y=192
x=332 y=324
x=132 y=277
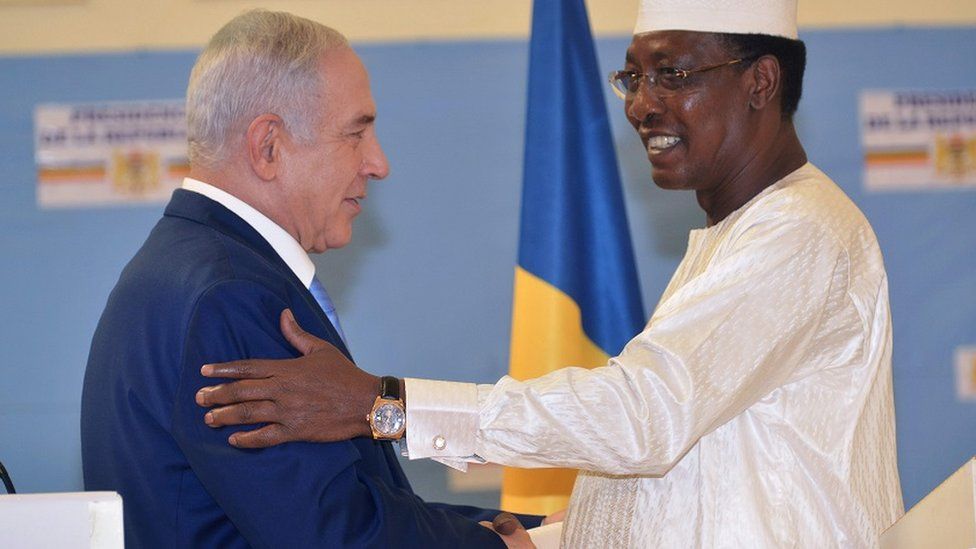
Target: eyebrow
x=365 y=120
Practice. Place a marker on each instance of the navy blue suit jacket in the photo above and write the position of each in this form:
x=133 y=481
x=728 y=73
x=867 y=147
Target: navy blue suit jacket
x=206 y=287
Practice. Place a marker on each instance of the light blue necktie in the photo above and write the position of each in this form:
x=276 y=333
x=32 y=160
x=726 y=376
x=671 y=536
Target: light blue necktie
x=322 y=298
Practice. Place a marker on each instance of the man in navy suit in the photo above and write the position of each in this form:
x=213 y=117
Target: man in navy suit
x=282 y=145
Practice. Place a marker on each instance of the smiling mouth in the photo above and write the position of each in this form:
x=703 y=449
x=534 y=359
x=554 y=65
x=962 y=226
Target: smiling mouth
x=659 y=143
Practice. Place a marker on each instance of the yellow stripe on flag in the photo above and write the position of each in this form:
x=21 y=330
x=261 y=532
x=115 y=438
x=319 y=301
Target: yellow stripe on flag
x=547 y=334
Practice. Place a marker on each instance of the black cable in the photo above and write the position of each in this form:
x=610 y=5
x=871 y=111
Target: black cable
x=9 y=484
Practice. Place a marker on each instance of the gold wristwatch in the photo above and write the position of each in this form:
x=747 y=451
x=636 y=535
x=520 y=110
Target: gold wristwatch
x=388 y=418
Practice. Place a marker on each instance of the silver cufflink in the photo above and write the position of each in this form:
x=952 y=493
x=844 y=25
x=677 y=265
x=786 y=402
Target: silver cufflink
x=440 y=442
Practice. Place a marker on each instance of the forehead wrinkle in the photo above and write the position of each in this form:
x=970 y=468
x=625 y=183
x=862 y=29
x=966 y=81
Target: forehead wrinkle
x=674 y=48
x=645 y=58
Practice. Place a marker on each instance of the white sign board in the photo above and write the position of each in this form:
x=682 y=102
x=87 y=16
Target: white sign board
x=109 y=153
x=918 y=140
x=966 y=373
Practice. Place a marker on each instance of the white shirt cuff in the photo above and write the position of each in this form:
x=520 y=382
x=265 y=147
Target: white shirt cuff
x=442 y=421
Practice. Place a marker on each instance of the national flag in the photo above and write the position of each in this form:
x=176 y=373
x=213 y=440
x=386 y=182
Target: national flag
x=577 y=300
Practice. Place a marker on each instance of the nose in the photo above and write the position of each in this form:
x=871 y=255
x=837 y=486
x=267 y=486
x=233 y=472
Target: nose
x=643 y=103
x=375 y=164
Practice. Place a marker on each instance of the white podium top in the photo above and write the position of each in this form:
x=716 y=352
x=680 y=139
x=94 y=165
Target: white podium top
x=89 y=520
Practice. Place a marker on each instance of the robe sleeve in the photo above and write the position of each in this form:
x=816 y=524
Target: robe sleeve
x=718 y=344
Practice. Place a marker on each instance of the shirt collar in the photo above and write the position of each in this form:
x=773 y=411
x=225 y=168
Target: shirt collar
x=283 y=243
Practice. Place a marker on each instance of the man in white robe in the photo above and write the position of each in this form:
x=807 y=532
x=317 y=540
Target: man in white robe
x=755 y=409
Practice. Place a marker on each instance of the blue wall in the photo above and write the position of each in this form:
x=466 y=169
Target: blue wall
x=425 y=287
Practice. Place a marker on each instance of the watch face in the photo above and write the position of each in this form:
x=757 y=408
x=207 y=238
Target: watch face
x=388 y=419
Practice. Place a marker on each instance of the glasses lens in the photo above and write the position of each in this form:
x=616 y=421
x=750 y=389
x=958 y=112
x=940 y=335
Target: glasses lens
x=670 y=78
x=623 y=83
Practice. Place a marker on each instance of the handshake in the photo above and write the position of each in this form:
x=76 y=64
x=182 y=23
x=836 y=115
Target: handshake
x=516 y=536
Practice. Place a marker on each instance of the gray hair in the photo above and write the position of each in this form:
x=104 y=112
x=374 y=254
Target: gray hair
x=259 y=62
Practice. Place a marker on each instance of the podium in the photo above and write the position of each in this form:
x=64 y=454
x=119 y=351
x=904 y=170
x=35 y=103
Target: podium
x=946 y=518
x=89 y=520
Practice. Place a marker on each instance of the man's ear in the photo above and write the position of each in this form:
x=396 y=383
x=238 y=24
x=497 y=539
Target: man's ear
x=264 y=139
x=765 y=82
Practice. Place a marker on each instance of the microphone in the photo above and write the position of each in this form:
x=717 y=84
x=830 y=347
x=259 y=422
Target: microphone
x=8 y=484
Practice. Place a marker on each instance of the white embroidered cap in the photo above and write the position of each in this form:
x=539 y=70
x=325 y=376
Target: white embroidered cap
x=773 y=17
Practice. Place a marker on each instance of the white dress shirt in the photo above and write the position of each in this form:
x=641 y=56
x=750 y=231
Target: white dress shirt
x=283 y=243
x=754 y=410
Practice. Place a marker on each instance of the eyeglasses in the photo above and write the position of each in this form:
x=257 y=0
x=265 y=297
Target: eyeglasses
x=672 y=79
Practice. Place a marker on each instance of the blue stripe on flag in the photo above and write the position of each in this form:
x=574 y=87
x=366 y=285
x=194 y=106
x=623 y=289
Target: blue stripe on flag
x=574 y=231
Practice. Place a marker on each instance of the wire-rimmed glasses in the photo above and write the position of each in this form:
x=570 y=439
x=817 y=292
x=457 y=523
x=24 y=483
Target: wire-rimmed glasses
x=625 y=83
